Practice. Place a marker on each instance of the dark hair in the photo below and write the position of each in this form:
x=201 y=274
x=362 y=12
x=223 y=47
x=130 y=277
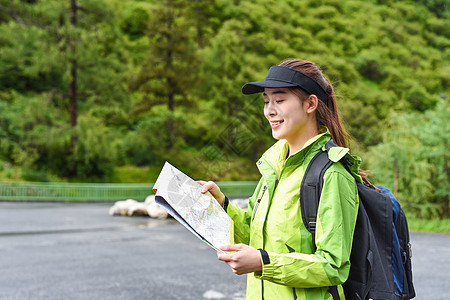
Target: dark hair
x=327 y=114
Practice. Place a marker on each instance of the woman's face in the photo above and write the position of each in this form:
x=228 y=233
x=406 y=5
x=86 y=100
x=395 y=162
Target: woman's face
x=285 y=112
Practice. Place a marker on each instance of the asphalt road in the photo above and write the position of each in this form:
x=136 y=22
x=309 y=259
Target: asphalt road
x=77 y=251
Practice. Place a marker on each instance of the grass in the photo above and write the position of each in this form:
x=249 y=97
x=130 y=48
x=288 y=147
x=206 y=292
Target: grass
x=134 y=174
x=429 y=225
x=10 y=173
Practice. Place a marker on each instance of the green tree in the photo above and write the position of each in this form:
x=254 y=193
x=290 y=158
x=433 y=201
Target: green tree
x=170 y=71
x=171 y=67
x=163 y=77
x=206 y=20
x=226 y=67
x=413 y=160
x=439 y=7
x=41 y=58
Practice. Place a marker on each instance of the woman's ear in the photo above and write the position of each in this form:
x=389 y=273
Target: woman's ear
x=311 y=103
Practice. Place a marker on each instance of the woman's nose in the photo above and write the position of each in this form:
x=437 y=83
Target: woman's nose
x=270 y=109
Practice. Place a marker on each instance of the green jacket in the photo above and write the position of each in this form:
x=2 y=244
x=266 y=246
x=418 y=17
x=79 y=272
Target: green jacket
x=291 y=268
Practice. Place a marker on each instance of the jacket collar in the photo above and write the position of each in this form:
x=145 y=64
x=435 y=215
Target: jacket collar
x=277 y=155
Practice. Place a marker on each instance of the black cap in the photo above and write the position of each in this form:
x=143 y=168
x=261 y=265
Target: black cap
x=283 y=77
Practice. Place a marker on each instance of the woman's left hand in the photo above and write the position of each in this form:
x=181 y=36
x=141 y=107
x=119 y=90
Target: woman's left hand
x=214 y=189
x=244 y=259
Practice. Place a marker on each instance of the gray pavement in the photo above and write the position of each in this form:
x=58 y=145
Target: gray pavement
x=78 y=251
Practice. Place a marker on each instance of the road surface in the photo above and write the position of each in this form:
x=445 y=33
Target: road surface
x=77 y=251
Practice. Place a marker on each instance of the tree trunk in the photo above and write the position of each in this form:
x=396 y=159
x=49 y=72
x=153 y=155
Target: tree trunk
x=73 y=67
x=170 y=95
x=169 y=63
x=199 y=26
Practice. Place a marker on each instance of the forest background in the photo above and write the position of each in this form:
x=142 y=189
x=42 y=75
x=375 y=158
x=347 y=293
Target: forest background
x=107 y=90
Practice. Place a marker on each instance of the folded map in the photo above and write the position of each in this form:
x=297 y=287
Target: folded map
x=200 y=213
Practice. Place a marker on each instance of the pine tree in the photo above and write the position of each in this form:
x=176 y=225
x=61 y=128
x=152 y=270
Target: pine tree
x=170 y=71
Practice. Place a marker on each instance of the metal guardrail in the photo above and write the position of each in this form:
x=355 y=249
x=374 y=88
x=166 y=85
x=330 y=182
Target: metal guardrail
x=76 y=192
x=99 y=192
x=237 y=189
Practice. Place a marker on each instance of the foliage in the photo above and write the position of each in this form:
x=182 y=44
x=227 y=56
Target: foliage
x=160 y=80
x=170 y=69
x=439 y=7
x=28 y=60
x=413 y=160
x=35 y=137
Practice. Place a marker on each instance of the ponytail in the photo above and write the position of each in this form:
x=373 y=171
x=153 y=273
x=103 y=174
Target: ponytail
x=327 y=114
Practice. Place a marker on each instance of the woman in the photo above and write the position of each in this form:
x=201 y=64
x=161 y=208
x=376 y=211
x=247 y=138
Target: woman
x=275 y=248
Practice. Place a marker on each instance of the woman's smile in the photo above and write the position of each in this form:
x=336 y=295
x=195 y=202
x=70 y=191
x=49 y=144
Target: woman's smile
x=275 y=124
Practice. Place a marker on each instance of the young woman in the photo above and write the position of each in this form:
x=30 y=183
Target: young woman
x=275 y=248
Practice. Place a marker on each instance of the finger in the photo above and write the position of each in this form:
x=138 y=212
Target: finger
x=224 y=257
x=235 y=247
x=208 y=186
x=214 y=189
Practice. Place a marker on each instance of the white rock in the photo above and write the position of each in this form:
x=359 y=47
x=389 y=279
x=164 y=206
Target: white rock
x=138 y=209
x=150 y=199
x=121 y=207
x=154 y=210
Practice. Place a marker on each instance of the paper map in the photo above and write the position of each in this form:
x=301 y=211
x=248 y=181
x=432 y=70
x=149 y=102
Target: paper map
x=200 y=213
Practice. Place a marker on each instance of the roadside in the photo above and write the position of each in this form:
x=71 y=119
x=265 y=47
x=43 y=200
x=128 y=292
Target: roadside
x=78 y=251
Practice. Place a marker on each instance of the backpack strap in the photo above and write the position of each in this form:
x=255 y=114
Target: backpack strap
x=310 y=191
x=311 y=188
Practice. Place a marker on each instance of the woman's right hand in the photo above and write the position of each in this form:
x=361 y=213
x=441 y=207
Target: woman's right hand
x=211 y=187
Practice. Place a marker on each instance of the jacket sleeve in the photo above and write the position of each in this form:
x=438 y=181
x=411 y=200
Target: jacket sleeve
x=330 y=264
x=242 y=219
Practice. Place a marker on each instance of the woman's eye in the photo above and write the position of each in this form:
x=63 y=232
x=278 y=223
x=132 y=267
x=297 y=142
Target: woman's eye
x=279 y=101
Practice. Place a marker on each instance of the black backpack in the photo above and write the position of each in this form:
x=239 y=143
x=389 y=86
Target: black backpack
x=381 y=251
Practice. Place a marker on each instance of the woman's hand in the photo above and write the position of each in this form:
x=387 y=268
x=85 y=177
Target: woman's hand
x=244 y=260
x=214 y=190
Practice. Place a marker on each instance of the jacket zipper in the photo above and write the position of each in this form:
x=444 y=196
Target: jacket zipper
x=258 y=201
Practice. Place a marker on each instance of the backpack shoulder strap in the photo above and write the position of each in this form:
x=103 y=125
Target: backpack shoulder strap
x=310 y=191
x=311 y=187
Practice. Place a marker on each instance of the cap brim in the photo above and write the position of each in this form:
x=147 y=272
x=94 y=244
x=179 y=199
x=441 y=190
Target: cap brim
x=259 y=86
